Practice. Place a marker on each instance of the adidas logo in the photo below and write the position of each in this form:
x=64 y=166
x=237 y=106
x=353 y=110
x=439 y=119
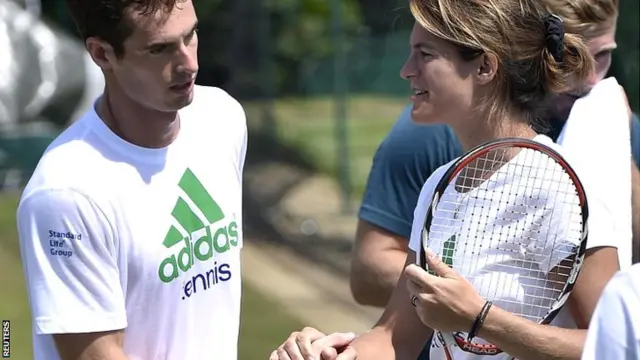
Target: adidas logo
x=199 y=216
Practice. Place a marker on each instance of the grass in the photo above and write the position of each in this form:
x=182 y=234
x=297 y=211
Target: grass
x=309 y=126
x=264 y=324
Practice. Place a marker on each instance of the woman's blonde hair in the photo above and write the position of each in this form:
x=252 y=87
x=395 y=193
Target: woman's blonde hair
x=516 y=32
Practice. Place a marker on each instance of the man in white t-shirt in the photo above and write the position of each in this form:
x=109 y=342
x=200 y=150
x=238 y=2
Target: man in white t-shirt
x=131 y=226
x=614 y=331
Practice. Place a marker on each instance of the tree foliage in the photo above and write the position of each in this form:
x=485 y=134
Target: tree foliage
x=260 y=47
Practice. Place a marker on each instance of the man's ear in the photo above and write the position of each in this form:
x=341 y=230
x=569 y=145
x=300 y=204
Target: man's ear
x=487 y=68
x=101 y=52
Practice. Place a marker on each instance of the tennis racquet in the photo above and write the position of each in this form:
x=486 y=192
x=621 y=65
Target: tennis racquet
x=511 y=217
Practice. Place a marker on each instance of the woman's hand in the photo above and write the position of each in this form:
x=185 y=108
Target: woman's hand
x=446 y=302
x=311 y=344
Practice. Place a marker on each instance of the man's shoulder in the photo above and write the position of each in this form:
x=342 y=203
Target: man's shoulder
x=635 y=129
x=214 y=107
x=71 y=160
x=405 y=128
x=420 y=145
x=405 y=159
x=216 y=100
x=211 y=92
x=435 y=177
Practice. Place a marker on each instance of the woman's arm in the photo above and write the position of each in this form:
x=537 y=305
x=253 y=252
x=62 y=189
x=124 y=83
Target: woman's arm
x=526 y=340
x=399 y=334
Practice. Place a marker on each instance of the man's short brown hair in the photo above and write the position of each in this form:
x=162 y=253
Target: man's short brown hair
x=107 y=19
x=585 y=17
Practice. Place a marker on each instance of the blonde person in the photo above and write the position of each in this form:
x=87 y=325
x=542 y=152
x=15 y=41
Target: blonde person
x=486 y=69
x=412 y=151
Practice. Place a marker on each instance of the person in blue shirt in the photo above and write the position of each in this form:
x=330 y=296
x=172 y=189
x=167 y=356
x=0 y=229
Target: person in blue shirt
x=411 y=152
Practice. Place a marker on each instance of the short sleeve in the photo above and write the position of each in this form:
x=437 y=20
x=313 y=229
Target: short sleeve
x=70 y=263
x=635 y=139
x=608 y=226
x=609 y=214
x=243 y=150
x=408 y=155
x=243 y=134
x=558 y=222
x=417 y=225
x=242 y=143
x=423 y=203
x=614 y=331
x=553 y=213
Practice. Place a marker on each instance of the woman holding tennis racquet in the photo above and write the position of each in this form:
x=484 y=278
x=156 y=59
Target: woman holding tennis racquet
x=502 y=231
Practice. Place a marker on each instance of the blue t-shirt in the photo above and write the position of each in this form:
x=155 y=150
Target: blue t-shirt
x=406 y=158
x=402 y=164
x=404 y=161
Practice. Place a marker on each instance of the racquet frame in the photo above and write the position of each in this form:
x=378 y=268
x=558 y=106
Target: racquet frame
x=449 y=176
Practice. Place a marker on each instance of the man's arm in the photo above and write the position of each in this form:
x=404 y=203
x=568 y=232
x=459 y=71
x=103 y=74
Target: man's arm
x=402 y=163
x=70 y=262
x=377 y=263
x=399 y=334
x=91 y=346
x=526 y=340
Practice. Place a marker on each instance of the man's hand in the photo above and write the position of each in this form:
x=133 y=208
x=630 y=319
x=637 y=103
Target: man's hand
x=446 y=302
x=311 y=344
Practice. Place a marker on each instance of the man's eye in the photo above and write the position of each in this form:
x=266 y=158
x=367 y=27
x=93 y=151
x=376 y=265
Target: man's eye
x=158 y=49
x=191 y=36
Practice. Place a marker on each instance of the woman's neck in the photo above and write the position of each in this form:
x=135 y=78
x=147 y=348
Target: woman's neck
x=484 y=131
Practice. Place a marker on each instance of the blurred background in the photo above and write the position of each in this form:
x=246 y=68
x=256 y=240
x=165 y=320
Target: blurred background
x=319 y=82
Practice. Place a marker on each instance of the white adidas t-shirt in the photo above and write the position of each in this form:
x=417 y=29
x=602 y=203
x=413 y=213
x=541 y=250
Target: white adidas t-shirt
x=496 y=267
x=115 y=236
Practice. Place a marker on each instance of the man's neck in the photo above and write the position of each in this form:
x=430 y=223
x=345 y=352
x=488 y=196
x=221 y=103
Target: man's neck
x=561 y=107
x=135 y=123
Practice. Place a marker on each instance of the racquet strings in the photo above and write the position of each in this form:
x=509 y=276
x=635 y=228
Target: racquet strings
x=510 y=222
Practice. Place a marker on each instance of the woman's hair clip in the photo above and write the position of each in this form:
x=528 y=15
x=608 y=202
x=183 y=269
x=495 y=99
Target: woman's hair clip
x=554 y=36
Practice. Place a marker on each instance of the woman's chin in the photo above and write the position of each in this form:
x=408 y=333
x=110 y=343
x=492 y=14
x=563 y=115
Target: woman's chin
x=423 y=117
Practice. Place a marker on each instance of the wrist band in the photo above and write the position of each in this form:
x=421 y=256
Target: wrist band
x=479 y=320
